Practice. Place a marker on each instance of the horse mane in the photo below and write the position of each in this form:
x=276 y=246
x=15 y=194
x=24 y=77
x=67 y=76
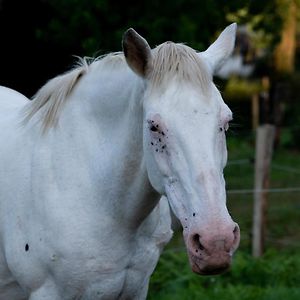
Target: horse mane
x=178 y=60
x=51 y=97
x=169 y=60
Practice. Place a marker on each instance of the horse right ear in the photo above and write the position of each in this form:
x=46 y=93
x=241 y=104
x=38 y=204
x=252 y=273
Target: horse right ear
x=137 y=52
x=221 y=49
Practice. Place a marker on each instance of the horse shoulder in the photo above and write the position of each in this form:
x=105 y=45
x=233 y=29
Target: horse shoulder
x=154 y=233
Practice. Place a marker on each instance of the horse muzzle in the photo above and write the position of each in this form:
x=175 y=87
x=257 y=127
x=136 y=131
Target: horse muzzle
x=212 y=254
x=214 y=264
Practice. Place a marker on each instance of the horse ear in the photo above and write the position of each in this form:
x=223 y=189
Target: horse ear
x=137 y=52
x=221 y=49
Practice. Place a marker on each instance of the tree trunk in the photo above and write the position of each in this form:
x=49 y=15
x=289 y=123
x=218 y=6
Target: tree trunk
x=284 y=56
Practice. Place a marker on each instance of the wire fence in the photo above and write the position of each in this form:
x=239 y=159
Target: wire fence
x=288 y=169
x=271 y=190
x=284 y=210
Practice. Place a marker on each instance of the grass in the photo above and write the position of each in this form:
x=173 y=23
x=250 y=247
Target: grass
x=283 y=208
x=275 y=276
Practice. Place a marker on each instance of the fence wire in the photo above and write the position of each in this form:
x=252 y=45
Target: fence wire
x=270 y=190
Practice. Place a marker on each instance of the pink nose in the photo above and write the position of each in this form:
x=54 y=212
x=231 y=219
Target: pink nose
x=211 y=252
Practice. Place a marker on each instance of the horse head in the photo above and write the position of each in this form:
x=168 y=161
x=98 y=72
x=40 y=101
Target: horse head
x=184 y=141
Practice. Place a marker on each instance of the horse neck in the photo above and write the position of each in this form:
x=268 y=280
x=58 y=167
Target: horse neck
x=112 y=114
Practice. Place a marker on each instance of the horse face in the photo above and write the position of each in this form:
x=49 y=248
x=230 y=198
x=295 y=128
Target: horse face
x=185 y=146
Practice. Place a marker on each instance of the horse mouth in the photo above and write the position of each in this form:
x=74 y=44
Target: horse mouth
x=214 y=265
x=210 y=270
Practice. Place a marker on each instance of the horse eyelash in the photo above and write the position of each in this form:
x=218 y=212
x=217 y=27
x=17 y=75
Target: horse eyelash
x=224 y=128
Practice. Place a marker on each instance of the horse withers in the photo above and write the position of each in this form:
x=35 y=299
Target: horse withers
x=85 y=164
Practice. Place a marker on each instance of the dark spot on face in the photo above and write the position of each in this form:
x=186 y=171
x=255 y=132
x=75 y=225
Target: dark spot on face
x=164 y=146
x=221 y=129
x=196 y=250
x=153 y=128
x=194 y=214
x=159 y=140
x=152 y=143
x=156 y=150
x=26 y=247
x=162 y=133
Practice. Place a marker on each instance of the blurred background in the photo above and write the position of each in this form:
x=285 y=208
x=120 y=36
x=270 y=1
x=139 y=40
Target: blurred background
x=260 y=83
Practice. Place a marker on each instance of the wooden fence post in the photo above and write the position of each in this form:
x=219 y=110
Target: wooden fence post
x=264 y=148
x=255 y=110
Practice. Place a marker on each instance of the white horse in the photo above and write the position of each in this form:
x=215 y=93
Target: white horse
x=84 y=164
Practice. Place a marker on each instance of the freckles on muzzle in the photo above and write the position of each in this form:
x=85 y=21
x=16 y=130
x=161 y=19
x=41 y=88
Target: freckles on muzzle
x=211 y=254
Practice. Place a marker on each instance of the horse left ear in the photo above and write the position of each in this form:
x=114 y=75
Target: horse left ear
x=137 y=52
x=221 y=49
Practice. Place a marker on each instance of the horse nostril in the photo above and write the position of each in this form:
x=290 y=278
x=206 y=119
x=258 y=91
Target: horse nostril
x=236 y=234
x=196 y=243
x=236 y=231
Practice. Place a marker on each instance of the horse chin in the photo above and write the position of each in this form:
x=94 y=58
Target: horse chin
x=212 y=265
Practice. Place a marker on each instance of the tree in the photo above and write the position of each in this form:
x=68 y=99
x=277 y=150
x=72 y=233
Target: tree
x=99 y=24
x=284 y=54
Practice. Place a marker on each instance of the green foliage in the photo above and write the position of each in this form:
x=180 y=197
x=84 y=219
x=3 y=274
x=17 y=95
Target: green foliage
x=266 y=19
x=275 y=276
x=99 y=24
x=241 y=89
x=292 y=113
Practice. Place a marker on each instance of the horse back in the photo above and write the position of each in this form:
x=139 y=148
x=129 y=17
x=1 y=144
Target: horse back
x=11 y=99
